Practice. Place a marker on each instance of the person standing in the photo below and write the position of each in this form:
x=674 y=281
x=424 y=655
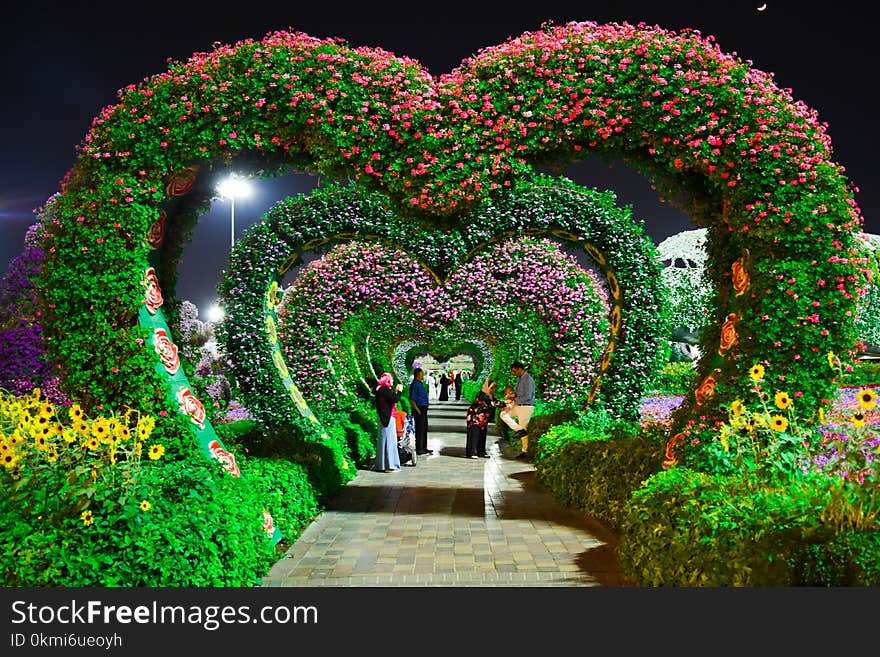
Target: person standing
x=477 y=420
x=444 y=387
x=387 y=456
x=432 y=386
x=517 y=418
x=458 y=384
x=418 y=398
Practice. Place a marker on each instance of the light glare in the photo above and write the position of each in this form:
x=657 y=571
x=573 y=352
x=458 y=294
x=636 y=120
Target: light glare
x=234 y=188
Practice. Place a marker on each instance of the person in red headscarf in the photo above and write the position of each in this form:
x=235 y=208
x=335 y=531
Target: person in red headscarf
x=387 y=457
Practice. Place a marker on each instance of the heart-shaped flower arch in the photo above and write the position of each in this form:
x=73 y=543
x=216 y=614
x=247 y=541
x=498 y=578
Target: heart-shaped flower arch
x=738 y=153
x=408 y=352
x=523 y=296
x=583 y=218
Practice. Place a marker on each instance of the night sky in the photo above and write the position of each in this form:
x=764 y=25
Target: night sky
x=64 y=61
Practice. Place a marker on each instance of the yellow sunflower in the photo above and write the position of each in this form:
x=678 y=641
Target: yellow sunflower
x=757 y=372
x=92 y=443
x=736 y=407
x=9 y=460
x=783 y=401
x=832 y=359
x=156 y=452
x=87 y=518
x=778 y=423
x=866 y=398
x=146 y=506
x=858 y=419
x=75 y=413
x=145 y=427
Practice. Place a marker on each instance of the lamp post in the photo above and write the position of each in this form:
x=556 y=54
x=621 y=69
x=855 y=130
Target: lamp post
x=233 y=188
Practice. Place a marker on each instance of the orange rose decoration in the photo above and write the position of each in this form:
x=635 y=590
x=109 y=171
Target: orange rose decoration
x=740 y=277
x=728 y=334
x=669 y=456
x=706 y=389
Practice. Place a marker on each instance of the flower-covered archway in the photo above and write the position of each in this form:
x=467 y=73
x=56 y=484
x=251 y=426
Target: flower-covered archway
x=586 y=219
x=408 y=351
x=721 y=139
x=522 y=294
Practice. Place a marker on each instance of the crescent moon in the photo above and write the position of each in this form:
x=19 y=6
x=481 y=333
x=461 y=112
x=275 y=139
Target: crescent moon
x=762 y=7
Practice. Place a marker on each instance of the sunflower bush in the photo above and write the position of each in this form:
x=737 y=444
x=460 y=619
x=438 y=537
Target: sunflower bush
x=88 y=500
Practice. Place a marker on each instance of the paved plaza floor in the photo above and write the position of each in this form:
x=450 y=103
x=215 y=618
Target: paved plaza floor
x=450 y=521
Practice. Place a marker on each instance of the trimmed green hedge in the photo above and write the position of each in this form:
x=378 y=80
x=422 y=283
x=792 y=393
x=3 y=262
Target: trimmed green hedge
x=687 y=528
x=285 y=490
x=599 y=475
x=204 y=529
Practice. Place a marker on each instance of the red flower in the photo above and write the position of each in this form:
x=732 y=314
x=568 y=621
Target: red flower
x=191 y=406
x=226 y=459
x=167 y=351
x=153 y=295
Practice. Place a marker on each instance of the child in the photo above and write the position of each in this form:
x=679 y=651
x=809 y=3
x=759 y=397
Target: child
x=477 y=418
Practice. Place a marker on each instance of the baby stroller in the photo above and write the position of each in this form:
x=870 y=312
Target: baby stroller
x=406 y=439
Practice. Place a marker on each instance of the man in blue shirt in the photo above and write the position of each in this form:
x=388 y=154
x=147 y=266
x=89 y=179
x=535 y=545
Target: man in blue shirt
x=418 y=397
x=518 y=416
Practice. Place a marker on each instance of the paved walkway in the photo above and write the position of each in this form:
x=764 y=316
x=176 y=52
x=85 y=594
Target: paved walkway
x=450 y=521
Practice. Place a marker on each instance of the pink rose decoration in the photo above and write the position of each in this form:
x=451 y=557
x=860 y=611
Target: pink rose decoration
x=153 y=295
x=182 y=182
x=268 y=524
x=191 y=406
x=167 y=351
x=227 y=460
x=157 y=231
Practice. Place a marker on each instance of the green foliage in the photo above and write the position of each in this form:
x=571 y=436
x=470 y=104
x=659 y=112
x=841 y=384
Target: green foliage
x=284 y=489
x=675 y=378
x=687 y=528
x=327 y=461
x=203 y=528
x=595 y=473
x=865 y=373
x=539 y=425
x=469 y=389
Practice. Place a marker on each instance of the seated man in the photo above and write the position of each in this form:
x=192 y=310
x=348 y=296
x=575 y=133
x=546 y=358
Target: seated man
x=519 y=412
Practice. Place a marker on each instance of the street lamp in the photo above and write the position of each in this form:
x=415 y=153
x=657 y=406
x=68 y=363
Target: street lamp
x=233 y=188
x=214 y=313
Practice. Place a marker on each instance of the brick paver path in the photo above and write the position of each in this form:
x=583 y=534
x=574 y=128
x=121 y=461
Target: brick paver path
x=450 y=521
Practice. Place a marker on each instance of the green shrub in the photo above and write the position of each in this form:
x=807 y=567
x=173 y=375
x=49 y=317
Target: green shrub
x=326 y=460
x=686 y=528
x=598 y=475
x=203 y=528
x=865 y=372
x=284 y=488
x=675 y=378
